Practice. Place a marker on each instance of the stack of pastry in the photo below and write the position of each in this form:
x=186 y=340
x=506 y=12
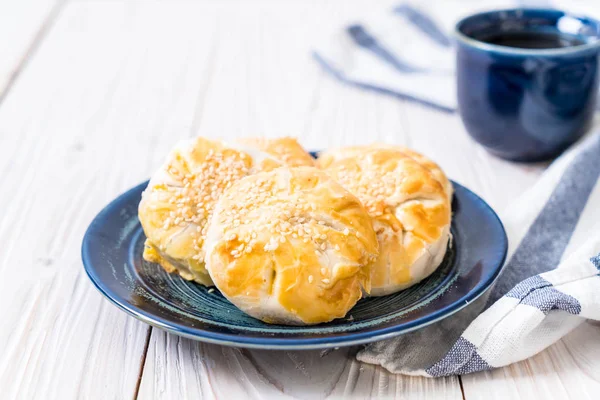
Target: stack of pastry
x=292 y=241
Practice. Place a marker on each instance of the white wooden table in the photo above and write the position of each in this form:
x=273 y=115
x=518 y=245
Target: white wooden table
x=93 y=94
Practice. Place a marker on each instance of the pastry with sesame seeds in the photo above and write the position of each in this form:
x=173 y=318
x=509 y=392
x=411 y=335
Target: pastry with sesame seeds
x=291 y=246
x=409 y=200
x=286 y=149
x=178 y=202
x=329 y=157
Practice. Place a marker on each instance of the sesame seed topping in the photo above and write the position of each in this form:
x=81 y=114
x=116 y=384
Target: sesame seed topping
x=310 y=279
x=263 y=213
x=195 y=191
x=271 y=246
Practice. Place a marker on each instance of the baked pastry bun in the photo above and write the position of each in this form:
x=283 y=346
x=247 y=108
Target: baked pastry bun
x=409 y=204
x=177 y=204
x=329 y=157
x=285 y=149
x=291 y=246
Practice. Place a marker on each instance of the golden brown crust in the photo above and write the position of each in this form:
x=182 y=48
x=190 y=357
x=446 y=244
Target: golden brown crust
x=331 y=156
x=291 y=246
x=408 y=204
x=178 y=203
x=179 y=200
x=285 y=149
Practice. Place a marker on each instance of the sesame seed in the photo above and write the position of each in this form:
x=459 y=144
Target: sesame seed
x=271 y=246
x=310 y=279
x=325 y=281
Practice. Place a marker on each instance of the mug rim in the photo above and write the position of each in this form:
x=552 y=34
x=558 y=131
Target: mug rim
x=488 y=47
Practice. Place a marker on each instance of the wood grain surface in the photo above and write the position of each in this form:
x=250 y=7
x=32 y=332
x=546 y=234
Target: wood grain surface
x=94 y=93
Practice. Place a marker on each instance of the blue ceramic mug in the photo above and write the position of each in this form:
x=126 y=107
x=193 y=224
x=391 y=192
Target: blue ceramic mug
x=527 y=80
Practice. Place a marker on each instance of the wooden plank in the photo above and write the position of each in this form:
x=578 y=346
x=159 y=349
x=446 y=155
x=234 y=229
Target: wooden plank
x=180 y=367
x=23 y=25
x=570 y=369
x=102 y=99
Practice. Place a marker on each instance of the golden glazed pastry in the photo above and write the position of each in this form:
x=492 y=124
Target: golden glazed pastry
x=409 y=204
x=329 y=157
x=285 y=149
x=178 y=202
x=291 y=246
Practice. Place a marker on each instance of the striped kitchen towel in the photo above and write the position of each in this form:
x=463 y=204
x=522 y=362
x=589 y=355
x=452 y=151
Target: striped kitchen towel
x=407 y=51
x=549 y=286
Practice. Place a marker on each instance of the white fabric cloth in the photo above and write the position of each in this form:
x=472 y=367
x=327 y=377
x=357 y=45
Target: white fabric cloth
x=407 y=51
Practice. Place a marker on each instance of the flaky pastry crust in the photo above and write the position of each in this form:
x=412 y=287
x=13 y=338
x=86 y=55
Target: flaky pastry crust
x=177 y=205
x=291 y=246
x=408 y=198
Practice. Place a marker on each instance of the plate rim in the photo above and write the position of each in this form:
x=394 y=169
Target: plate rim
x=278 y=343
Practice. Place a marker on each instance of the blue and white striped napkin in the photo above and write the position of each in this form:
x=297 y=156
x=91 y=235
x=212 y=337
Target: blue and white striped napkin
x=407 y=51
x=551 y=282
x=401 y=52
x=549 y=286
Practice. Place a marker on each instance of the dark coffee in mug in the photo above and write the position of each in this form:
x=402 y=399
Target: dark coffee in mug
x=527 y=80
x=533 y=40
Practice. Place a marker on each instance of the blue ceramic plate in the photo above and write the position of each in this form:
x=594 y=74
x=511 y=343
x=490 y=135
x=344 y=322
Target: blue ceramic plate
x=112 y=256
